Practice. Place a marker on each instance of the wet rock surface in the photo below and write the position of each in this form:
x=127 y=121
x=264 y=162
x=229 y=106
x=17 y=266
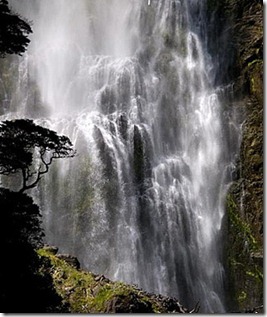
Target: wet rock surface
x=240 y=31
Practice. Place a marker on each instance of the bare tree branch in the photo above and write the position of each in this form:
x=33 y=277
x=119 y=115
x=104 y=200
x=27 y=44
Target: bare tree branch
x=31 y=149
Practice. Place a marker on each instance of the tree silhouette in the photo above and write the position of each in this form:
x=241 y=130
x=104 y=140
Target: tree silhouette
x=30 y=149
x=25 y=281
x=14 y=31
x=22 y=287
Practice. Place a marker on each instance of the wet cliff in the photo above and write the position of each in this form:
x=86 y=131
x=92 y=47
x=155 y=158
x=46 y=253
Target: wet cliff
x=237 y=42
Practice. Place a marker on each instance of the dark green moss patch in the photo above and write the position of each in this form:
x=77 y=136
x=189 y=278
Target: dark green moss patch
x=85 y=292
x=244 y=254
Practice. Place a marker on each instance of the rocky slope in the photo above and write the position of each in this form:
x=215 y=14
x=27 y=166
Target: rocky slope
x=85 y=292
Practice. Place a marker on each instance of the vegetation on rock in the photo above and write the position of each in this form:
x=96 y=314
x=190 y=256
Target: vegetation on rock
x=85 y=292
x=239 y=29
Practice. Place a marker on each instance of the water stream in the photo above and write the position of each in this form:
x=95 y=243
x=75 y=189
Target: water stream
x=131 y=83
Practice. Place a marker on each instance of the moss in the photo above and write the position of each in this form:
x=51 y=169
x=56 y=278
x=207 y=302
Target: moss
x=244 y=202
x=256 y=81
x=255 y=61
x=242 y=296
x=70 y=283
x=85 y=292
x=256 y=274
x=116 y=297
x=106 y=293
x=246 y=275
x=239 y=226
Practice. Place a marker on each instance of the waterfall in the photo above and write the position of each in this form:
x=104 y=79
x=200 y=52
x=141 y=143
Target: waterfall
x=131 y=83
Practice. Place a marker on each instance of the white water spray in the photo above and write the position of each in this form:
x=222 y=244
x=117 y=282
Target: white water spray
x=128 y=82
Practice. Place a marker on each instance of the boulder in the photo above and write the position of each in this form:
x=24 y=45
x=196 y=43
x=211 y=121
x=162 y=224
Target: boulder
x=72 y=260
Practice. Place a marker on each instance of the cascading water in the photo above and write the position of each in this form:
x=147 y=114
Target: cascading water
x=131 y=84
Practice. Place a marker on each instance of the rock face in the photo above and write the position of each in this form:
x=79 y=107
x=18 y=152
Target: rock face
x=51 y=249
x=71 y=260
x=239 y=29
x=85 y=292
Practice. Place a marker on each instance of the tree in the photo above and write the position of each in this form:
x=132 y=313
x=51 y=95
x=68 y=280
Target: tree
x=25 y=283
x=30 y=149
x=14 y=31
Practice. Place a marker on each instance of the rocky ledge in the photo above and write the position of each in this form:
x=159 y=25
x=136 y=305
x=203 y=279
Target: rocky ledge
x=86 y=292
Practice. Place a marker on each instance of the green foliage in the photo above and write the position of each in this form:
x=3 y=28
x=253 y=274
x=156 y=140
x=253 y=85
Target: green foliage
x=255 y=61
x=14 y=31
x=86 y=292
x=23 y=143
x=242 y=296
x=241 y=228
x=70 y=283
x=245 y=272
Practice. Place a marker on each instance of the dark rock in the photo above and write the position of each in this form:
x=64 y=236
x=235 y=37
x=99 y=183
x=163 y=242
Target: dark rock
x=242 y=22
x=123 y=125
x=257 y=257
x=254 y=310
x=51 y=249
x=72 y=260
x=102 y=278
x=130 y=303
x=172 y=305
